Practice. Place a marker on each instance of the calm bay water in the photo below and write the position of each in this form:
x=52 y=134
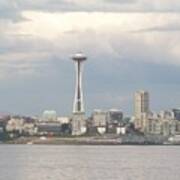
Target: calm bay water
x=33 y=162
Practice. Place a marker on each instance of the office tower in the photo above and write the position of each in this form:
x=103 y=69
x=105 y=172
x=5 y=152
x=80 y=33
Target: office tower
x=141 y=103
x=141 y=109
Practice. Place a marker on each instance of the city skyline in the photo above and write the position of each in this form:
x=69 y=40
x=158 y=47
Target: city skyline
x=126 y=43
x=89 y=89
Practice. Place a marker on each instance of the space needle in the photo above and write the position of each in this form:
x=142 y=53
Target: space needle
x=78 y=119
x=78 y=106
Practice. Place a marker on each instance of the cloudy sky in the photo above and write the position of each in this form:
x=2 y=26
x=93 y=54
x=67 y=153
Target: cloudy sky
x=130 y=44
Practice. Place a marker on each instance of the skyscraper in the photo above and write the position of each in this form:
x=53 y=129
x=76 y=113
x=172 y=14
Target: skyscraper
x=141 y=103
x=141 y=109
x=78 y=119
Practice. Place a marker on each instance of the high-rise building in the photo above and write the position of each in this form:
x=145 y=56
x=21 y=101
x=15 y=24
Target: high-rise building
x=78 y=119
x=141 y=108
x=141 y=103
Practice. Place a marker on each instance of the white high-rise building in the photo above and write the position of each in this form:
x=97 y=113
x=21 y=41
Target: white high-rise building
x=141 y=108
x=141 y=103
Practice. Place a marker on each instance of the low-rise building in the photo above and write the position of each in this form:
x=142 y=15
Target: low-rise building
x=50 y=128
x=115 y=116
x=176 y=112
x=99 y=118
x=21 y=126
x=159 y=124
x=15 y=125
x=177 y=127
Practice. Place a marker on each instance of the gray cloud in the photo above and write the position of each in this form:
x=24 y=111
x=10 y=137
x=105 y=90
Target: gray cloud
x=41 y=73
x=101 y=6
x=116 y=47
x=12 y=10
x=47 y=5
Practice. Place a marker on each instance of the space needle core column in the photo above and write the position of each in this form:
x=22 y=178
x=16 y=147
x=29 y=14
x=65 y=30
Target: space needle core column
x=78 y=120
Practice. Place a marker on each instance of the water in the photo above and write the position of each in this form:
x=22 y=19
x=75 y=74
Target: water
x=33 y=162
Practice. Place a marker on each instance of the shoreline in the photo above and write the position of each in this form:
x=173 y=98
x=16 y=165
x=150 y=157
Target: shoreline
x=91 y=141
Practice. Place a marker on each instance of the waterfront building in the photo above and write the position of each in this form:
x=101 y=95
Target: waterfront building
x=19 y=125
x=153 y=124
x=60 y=126
x=115 y=116
x=78 y=117
x=48 y=128
x=114 y=120
x=99 y=118
x=160 y=124
x=168 y=127
x=15 y=125
x=168 y=122
x=29 y=129
x=99 y=121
